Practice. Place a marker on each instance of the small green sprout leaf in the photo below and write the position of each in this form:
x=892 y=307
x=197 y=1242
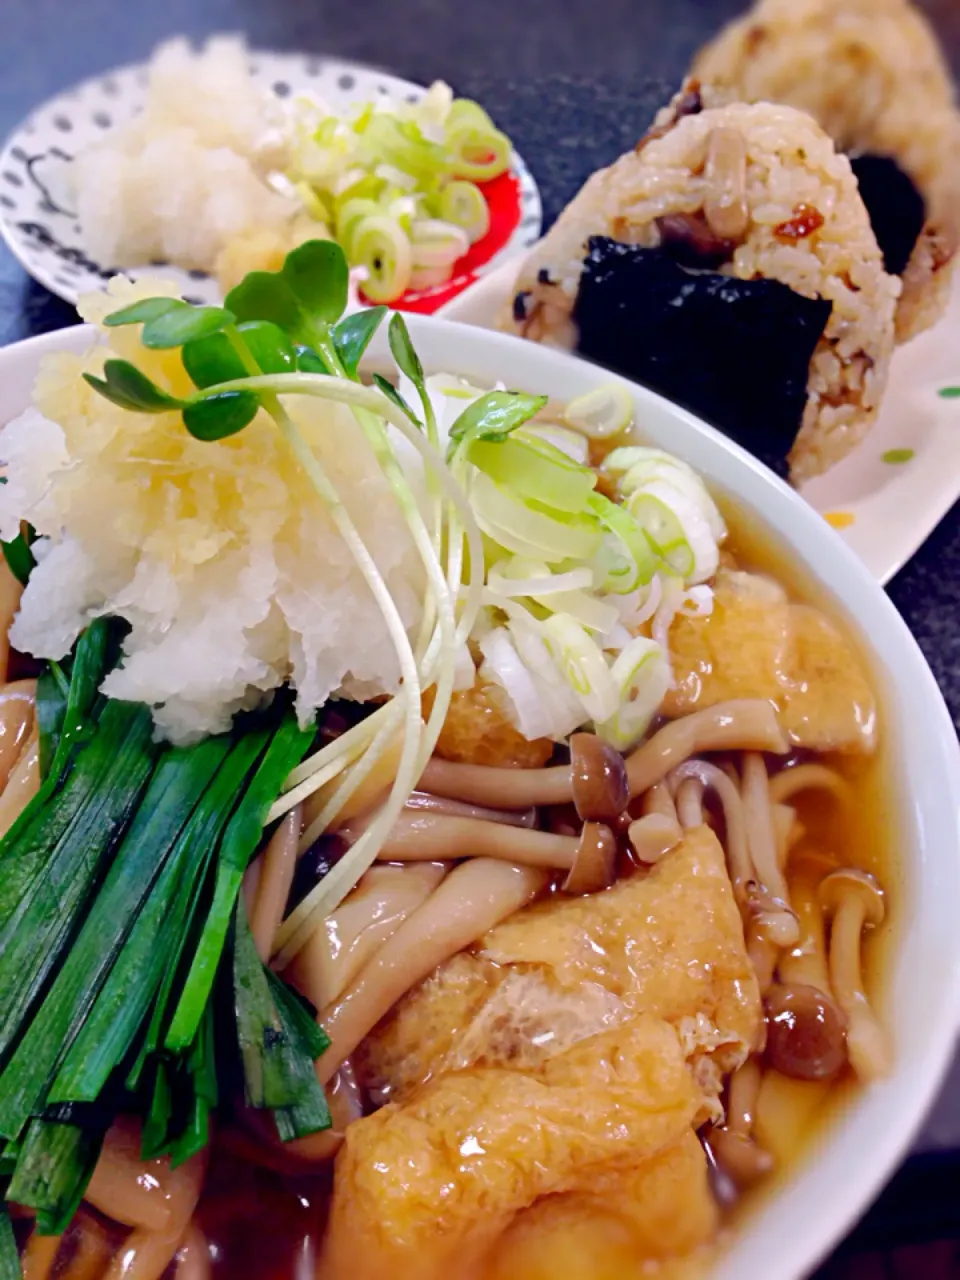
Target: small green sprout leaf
x=211 y=360
x=949 y=393
x=215 y=359
x=264 y=295
x=309 y=362
x=408 y=361
x=269 y=345
x=494 y=416
x=18 y=555
x=318 y=276
x=897 y=457
x=143 y=311
x=392 y=394
x=221 y=414
x=126 y=386
x=183 y=324
x=352 y=336
x=308 y=293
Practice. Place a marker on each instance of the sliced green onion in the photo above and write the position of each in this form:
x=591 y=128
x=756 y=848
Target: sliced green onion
x=380 y=245
x=535 y=469
x=401 y=143
x=517 y=578
x=429 y=277
x=572 y=443
x=677 y=528
x=465 y=111
x=519 y=528
x=601 y=413
x=583 y=665
x=660 y=522
x=434 y=107
x=366 y=187
x=313 y=202
x=637 y=466
x=349 y=216
x=626 y=560
x=641 y=674
x=463 y=204
x=478 y=153
x=590 y=612
x=437 y=244
x=395 y=177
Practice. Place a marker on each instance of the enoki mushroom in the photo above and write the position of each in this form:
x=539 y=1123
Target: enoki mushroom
x=733 y=1145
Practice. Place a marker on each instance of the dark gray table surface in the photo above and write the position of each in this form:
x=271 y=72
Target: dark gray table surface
x=572 y=81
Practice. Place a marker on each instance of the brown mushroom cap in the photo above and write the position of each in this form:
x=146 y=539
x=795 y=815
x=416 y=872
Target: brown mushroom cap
x=840 y=886
x=599 y=778
x=806 y=1032
x=595 y=865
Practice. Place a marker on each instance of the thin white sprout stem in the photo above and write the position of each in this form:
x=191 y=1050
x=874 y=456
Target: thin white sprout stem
x=438 y=606
x=418 y=744
x=290 y=799
x=349 y=745
x=361 y=771
x=354 y=393
x=407 y=772
x=441 y=599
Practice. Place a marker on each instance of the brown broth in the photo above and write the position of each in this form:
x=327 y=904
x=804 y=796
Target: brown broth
x=867 y=836
x=265 y=1225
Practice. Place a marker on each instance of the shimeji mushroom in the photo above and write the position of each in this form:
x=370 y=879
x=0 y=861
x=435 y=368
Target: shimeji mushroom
x=805 y=1032
x=589 y=858
x=736 y=1151
x=740 y=725
x=854 y=899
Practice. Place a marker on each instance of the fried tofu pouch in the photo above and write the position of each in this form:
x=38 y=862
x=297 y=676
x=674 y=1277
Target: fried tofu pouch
x=757 y=644
x=426 y=1189
x=668 y=943
x=656 y=1217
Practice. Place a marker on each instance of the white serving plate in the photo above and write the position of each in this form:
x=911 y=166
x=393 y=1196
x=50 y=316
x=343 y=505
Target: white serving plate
x=851 y=1159
x=884 y=511
x=35 y=199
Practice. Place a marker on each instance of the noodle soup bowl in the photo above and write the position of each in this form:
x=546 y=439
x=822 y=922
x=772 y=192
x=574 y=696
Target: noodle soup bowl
x=848 y=1159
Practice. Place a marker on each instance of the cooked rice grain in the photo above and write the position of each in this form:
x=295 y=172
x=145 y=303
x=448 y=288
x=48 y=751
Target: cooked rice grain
x=790 y=163
x=872 y=74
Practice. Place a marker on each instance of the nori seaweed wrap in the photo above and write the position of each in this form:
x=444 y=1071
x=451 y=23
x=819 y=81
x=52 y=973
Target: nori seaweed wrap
x=749 y=195
x=642 y=313
x=872 y=74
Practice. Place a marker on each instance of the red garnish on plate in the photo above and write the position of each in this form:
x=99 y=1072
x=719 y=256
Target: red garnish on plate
x=503 y=200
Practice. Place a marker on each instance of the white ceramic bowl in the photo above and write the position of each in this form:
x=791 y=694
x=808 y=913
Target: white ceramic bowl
x=853 y=1157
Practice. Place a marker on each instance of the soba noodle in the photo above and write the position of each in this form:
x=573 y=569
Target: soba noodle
x=353 y=934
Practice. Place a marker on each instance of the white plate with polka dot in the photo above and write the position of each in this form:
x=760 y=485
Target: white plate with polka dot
x=43 y=233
